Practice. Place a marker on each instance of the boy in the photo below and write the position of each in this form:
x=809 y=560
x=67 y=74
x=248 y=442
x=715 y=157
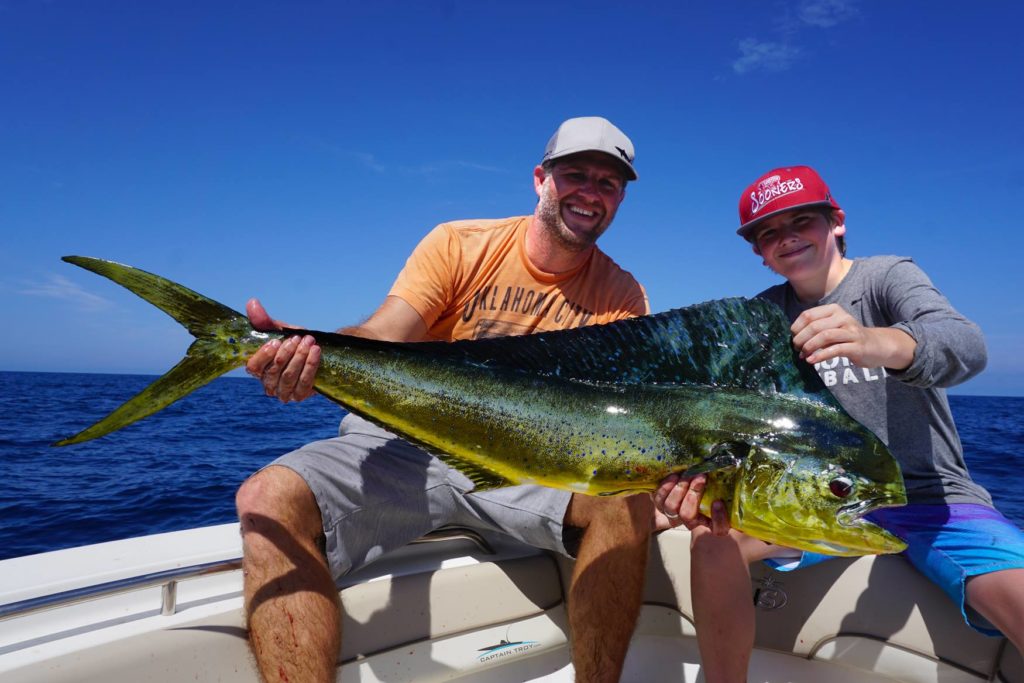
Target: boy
x=886 y=343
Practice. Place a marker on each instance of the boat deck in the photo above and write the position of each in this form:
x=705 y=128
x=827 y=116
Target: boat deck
x=168 y=608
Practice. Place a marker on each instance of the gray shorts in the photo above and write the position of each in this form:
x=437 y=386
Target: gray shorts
x=377 y=493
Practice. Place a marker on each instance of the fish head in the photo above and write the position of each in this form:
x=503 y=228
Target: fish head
x=809 y=483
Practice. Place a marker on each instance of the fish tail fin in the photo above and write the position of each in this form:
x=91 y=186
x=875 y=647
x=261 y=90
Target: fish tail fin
x=221 y=336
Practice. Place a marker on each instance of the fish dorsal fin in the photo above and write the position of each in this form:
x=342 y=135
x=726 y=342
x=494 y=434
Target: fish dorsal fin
x=734 y=343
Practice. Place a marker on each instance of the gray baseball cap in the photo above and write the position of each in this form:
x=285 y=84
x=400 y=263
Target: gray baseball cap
x=591 y=134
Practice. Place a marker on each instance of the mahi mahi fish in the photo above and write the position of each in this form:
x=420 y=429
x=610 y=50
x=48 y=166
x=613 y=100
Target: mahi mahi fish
x=602 y=410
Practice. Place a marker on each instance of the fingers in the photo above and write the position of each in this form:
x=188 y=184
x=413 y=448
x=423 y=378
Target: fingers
x=662 y=492
x=689 y=507
x=291 y=363
x=287 y=369
x=678 y=500
x=258 y=316
x=307 y=376
x=825 y=344
x=825 y=332
x=261 y=320
x=259 y=361
x=719 y=519
x=669 y=497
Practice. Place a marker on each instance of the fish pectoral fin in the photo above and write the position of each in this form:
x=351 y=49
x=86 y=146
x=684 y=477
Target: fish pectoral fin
x=483 y=478
x=724 y=456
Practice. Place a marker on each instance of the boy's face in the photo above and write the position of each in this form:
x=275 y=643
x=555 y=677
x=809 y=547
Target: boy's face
x=801 y=243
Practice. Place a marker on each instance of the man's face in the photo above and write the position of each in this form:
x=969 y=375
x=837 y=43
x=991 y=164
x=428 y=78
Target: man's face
x=579 y=198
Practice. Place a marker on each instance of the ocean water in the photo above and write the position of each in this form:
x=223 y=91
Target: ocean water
x=180 y=468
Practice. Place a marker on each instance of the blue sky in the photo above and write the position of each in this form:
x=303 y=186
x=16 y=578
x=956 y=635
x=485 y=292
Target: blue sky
x=297 y=151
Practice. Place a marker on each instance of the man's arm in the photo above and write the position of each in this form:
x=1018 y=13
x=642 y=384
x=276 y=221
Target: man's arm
x=288 y=369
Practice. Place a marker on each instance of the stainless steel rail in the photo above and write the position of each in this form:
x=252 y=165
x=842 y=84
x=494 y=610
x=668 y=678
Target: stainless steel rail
x=167 y=579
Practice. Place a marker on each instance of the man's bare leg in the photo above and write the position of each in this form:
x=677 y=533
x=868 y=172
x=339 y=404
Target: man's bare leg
x=292 y=605
x=607 y=582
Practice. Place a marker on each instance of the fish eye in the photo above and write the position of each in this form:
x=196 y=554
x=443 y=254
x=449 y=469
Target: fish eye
x=841 y=486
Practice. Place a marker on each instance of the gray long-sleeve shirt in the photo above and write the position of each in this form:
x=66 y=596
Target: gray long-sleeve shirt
x=907 y=409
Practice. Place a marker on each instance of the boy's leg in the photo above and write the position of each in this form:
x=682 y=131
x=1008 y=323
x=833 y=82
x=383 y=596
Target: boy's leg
x=999 y=597
x=723 y=604
x=723 y=611
x=974 y=554
x=607 y=581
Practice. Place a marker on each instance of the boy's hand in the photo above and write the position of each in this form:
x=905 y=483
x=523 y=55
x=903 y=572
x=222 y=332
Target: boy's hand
x=826 y=332
x=677 y=503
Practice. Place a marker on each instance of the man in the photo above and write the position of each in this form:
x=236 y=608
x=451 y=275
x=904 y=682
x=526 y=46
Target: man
x=332 y=506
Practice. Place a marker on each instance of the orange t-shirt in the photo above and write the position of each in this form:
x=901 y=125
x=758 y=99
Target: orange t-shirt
x=471 y=279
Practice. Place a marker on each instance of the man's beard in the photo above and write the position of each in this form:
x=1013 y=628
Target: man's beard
x=549 y=213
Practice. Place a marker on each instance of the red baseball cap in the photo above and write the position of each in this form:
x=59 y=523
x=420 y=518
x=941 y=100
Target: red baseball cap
x=778 y=190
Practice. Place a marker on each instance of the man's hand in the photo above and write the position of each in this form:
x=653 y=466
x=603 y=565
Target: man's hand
x=825 y=332
x=287 y=369
x=677 y=502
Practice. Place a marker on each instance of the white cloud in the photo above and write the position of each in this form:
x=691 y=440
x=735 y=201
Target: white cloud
x=781 y=53
x=59 y=287
x=758 y=55
x=826 y=13
x=372 y=163
x=447 y=166
x=369 y=161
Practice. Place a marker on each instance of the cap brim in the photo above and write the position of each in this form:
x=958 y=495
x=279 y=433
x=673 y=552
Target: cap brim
x=748 y=227
x=631 y=173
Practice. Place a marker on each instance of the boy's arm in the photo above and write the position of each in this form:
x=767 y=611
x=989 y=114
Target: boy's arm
x=825 y=332
x=950 y=348
x=929 y=343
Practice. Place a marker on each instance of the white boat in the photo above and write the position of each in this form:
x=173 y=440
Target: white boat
x=168 y=608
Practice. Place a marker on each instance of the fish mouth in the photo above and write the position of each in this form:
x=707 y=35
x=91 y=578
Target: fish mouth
x=852 y=515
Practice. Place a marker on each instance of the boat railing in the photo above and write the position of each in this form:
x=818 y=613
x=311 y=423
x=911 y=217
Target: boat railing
x=168 y=579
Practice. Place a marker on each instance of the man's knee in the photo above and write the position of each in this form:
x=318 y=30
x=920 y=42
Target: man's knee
x=622 y=515
x=277 y=497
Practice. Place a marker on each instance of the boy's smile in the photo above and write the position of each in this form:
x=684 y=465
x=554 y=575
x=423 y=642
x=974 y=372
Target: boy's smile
x=800 y=245
x=795 y=252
